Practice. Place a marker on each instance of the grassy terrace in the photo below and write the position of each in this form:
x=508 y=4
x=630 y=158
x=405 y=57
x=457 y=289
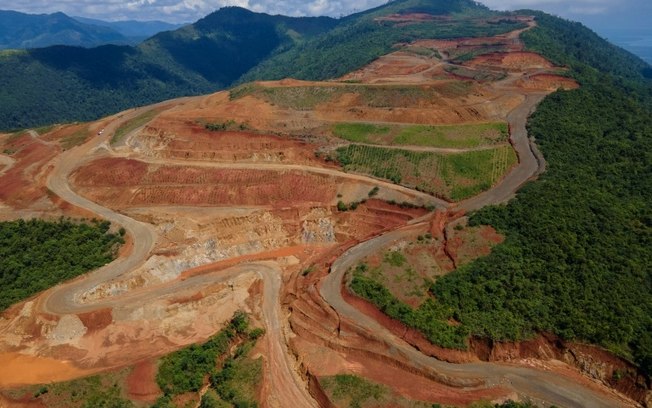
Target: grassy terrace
x=446 y=136
x=133 y=124
x=379 y=96
x=450 y=176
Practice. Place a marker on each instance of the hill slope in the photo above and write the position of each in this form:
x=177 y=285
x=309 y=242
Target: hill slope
x=134 y=31
x=72 y=84
x=19 y=30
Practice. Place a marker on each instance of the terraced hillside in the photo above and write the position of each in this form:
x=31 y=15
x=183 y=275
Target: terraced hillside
x=333 y=213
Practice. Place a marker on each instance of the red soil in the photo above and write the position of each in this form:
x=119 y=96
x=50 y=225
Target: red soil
x=189 y=140
x=18 y=369
x=129 y=182
x=547 y=82
x=409 y=385
x=26 y=402
x=141 y=382
x=24 y=183
x=96 y=320
x=517 y=61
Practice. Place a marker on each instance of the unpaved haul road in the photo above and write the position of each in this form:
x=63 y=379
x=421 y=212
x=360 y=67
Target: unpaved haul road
x=539 y=386
x=64 y=299
x=285 y=385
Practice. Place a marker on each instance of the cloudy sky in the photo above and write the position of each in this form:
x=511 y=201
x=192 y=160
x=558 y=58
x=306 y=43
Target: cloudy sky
x=597 y=14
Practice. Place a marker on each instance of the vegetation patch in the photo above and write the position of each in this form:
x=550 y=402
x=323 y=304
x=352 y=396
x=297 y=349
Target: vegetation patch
x=353 y=391
x=36 y=255
x=445 y=136
x=75 y=139
x=99 y=391
x=303 y=98
x=133 y=124
x=453 y=176
x=431 y=317
x=360 y=39
x=359 y=132
x=576 y=256
x=222 y=364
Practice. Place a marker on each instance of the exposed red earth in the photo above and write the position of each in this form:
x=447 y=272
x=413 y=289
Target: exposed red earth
x=247 y=219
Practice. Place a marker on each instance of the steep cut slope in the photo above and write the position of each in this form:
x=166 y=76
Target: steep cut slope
x=19 y=30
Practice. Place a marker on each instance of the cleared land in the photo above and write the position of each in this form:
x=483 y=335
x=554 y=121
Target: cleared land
x=445 y=136
x=244 y=217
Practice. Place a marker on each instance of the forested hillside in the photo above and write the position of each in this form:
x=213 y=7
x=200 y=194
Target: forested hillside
x=20 y=30
x=577 y=256
x=361 y=38
x=36 y=255
x=64 y=84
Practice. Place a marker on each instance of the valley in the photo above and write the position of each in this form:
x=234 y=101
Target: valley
x=268 y=197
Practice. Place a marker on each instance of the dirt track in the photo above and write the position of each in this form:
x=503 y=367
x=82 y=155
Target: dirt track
x=540 y=386
x=285 y=383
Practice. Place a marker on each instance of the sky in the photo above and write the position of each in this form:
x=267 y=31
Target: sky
x=597 y=14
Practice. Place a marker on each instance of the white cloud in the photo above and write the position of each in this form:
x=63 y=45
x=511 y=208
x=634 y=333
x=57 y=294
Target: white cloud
x=192 y=10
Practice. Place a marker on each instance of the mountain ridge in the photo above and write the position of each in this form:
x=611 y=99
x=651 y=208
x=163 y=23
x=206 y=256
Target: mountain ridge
x=20 y=31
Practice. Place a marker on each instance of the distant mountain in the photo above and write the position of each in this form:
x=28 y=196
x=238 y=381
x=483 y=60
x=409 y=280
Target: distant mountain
x=72 y=83
x=20 y=31
x=135 y=31
x=229 y=46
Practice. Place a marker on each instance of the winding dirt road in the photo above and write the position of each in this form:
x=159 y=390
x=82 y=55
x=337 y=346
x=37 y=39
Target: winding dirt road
x=285 y=385
x=539 y=386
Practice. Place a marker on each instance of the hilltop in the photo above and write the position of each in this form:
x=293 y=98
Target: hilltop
x=384 y=197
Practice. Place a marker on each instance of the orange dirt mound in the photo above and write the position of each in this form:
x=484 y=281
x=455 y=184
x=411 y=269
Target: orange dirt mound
x=547 y=82
x=96 y=320
x=141 y=382
x=179 y=140
x=516 y=61
x=20 y=369
x=113 y=181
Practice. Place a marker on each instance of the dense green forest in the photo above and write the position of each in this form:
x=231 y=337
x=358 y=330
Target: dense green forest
x=360 y=39
x=577 y=257
x=65 y=84
x=77 y=84
x=20 y=30
x=36 y=255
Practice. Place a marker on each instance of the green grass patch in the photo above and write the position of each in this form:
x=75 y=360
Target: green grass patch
x=354 y=391
x=133 y=124
x=454 y=176
x=36 y=255
x=431 y=318
x=300 y=97
x=44 y=129
x=238 y=380
x=454 y=136
x=444 y=136
x=99 y=391
x=359 y=132
x=76 y=139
